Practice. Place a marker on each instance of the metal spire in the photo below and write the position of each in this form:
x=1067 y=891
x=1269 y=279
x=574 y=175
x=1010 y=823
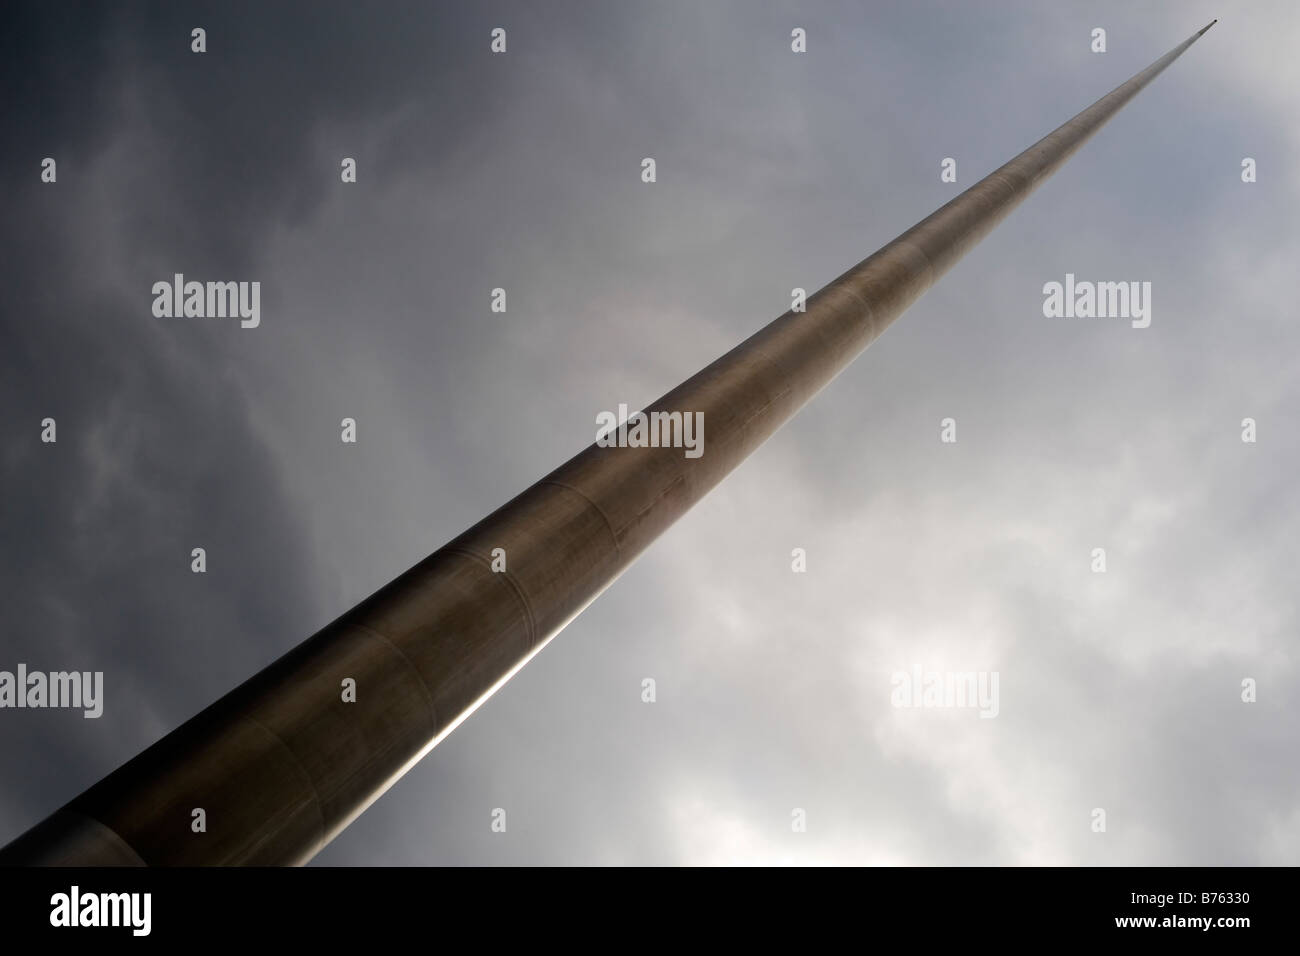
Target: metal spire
x=282 y=764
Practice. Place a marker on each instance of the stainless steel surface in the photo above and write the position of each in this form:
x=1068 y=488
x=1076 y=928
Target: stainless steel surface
x=281 y=764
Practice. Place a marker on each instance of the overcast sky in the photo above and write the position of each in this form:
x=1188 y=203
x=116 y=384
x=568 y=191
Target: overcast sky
x=1119 y=690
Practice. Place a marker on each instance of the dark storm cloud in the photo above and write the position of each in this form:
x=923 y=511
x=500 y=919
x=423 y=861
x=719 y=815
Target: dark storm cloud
x=162 y=168
x=167 y=162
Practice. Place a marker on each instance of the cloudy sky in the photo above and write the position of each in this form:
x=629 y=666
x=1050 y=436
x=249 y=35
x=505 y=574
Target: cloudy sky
x=1120 y=691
